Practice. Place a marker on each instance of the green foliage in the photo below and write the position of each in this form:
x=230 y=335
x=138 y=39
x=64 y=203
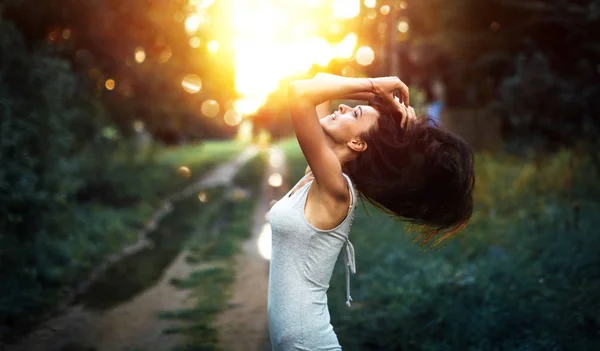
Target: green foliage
x=522 y=276
x=102 y=39
x=70 y=200
x=45 y=123
x=533 y=64
x=545 y=109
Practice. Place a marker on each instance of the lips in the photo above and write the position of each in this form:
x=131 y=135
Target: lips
x=332 y=116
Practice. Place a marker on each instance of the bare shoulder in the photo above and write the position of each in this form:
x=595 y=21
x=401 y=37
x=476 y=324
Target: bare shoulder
x=325 y=210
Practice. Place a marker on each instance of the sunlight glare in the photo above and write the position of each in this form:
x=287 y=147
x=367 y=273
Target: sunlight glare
x=264 y=241
x=202 y=4
x=192 y=23
x=346 y=9
x=370 y=3
x=244 y=132
x=273 y=40
x=345 y=48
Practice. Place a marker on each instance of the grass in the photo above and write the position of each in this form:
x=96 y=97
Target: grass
x=522 y=276
x=105 y=217
x=213 y=245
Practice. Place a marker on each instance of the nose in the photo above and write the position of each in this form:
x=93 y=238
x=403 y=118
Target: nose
x=343 y=108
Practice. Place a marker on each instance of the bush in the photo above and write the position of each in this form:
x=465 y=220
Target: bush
x=522 y=276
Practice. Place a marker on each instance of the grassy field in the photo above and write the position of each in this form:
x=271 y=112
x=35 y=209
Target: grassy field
x=106 y=216
x=524 y=275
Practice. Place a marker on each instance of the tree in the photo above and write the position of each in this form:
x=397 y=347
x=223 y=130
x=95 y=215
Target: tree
x=533 y=63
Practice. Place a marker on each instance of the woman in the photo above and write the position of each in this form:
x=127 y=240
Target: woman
x=404 y=166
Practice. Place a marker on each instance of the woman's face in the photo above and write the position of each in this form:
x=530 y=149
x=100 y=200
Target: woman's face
x=348 y=123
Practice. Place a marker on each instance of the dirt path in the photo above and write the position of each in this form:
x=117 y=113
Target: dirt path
x=133 y=324
x=243 y=326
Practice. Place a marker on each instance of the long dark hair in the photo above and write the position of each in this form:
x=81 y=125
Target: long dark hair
x=421 y=174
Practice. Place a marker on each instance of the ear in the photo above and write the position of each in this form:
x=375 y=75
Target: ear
x=357 y=145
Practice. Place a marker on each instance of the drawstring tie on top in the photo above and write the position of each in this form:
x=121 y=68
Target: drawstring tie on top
x=350 y=262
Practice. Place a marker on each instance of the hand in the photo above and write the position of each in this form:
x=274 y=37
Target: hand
x=408 y=113
x=387 y=86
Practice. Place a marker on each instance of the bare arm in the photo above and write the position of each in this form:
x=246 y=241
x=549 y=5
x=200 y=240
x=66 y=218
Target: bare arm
x=324 y=108
x=304 y=96
x=312 y=98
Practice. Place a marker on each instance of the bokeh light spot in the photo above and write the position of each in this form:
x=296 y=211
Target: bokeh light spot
x=365 y=56
x=203 y=196
x=140 y=55
x=138 y=126
x=165 y=54
x=195 y=42
x=370 y=3
x=385 y=9
x=276 y=158
x=53 y=35
x=109 y=84
x=213 y=46
x=184 y=172
x=210 y=108
x=275 y=180
x=232 y=117
x=192 y=23
x=191 y=83
x=403 y=26
x=371 y=14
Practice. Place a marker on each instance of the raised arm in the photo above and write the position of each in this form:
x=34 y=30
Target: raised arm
x=324 y=108
x=304 y=96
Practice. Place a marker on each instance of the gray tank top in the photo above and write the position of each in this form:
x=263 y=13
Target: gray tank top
x=302 y=262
